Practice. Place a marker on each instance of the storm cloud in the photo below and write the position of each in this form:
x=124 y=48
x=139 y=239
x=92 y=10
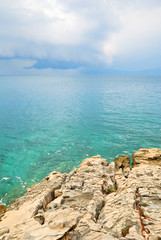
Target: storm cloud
x=72 y=34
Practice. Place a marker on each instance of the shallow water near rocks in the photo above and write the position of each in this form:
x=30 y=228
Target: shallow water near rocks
x=53 y=123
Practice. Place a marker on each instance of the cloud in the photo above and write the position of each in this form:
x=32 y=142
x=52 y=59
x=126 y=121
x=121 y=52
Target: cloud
x=45 y=63
x=25 y=67
x=139 y=37
x=14 y=66
x=42 y=21
x=29 y=27
x=108 y=33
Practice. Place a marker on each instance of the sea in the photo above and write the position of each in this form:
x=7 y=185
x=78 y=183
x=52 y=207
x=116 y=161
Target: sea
x=52 y=123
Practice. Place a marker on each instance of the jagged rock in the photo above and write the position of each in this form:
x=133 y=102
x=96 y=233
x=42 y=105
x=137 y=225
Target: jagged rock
x=28 y=236
x=3 y=209
x=4 y=230
x=136 y=205
x=95 y=201
x=123 y=163
x=147 y=156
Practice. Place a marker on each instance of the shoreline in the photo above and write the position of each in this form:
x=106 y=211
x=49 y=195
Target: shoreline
x=95 y=201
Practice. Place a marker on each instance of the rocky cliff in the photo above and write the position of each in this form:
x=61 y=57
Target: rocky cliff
x=96 y=201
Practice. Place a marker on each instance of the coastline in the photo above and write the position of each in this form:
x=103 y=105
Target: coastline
x=96 y=201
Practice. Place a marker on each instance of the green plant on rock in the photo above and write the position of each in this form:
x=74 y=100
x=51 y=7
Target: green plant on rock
x=125 y=231
x=112 y=189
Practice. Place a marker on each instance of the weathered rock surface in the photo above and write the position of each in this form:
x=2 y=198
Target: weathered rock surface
x=147 y=156
x=4 y=230
x=96 y=201
x=3 y=209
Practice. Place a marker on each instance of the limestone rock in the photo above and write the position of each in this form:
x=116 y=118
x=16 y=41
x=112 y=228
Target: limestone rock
x=95 y=201
x=136 y=206
x=94 y=161
x=147 y=156
x=4 y=230
x=3 y=209
x=122 y=162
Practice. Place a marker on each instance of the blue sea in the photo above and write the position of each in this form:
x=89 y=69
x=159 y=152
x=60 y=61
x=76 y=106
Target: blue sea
x=53 y=123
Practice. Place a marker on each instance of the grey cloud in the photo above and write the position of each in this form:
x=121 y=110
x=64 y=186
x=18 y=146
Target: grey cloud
x=92 y=31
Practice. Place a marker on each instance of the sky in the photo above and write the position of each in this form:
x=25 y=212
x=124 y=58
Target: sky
x=79 y=36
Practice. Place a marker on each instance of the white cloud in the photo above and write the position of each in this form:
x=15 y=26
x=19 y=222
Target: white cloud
x=139 y=35
x=116 y=32
x=28 y=28
x=43 y=21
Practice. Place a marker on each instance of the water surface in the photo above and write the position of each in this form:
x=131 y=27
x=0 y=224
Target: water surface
x=53 y=123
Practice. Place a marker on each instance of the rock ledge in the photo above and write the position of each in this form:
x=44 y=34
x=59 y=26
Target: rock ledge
x=96 y=201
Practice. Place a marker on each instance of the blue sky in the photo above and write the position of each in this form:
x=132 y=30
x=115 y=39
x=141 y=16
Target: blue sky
x=79 y=36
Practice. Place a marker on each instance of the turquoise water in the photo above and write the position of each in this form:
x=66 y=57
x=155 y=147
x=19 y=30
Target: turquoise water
x=53 y=123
